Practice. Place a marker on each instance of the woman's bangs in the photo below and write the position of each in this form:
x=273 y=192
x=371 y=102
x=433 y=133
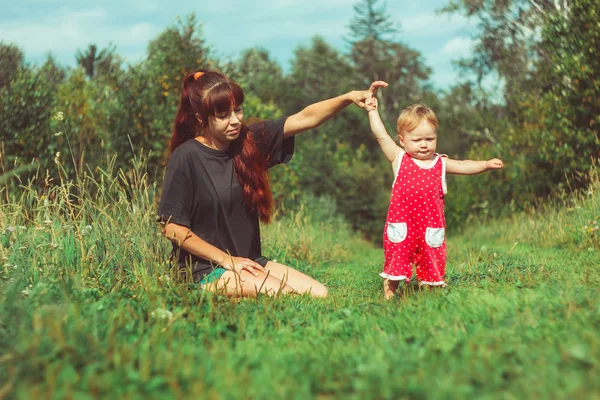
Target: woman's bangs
x=224 y=98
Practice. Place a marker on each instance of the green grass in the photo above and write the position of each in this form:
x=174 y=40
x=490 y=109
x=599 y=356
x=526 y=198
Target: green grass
x=88 y=309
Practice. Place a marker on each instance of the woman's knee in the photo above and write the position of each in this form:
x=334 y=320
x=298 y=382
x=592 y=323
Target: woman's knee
x=249 y=285
x=318 y=290
x=300 y=282
x=264 y=284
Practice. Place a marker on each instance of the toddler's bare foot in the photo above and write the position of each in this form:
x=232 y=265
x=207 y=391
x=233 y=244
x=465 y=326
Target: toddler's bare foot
x=432 y=287
x=389 y=288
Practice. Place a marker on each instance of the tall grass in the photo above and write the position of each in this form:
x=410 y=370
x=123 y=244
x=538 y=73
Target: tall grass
x=89 y=308
x=571 y=222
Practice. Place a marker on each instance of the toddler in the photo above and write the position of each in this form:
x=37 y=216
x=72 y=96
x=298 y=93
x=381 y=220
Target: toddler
x=414 y=230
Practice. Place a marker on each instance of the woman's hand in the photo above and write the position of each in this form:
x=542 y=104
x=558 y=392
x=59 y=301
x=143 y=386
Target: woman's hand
x=360 y=97
x=239 y=264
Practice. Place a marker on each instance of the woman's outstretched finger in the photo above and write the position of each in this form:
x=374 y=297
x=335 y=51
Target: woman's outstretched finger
x=376 y=85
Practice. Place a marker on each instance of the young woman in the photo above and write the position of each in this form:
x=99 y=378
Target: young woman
x=216 y=186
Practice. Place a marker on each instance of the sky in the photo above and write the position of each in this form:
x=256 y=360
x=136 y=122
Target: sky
x=40 y=27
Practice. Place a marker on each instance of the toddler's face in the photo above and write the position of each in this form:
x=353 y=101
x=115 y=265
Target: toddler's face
x=421 y=142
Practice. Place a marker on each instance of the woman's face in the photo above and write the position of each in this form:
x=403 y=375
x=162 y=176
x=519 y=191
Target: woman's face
x=224 y=127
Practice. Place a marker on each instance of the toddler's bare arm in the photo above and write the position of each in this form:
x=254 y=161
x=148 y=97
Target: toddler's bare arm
x=470 y=167
x=389 y=148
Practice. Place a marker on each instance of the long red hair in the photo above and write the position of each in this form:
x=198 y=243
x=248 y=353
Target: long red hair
x=208 y=93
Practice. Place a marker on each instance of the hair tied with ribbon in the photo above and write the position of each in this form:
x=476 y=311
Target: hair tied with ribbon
x=198 y=75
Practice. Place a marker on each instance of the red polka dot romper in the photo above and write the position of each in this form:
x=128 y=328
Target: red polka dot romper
x=415 y=226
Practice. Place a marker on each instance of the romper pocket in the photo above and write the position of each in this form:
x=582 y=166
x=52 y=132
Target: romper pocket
x=435 y=236
x=396 y=231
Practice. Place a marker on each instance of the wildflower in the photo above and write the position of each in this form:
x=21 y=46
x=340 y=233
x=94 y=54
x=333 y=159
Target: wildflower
x=57 y=158
x=58 y=133
x=161 y=313
x=59 y=116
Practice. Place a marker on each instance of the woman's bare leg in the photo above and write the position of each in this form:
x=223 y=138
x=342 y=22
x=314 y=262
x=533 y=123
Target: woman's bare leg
x=231 y=285
x=300 y=282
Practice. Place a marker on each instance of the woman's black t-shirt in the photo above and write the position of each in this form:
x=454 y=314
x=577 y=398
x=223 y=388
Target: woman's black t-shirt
x=201 y=191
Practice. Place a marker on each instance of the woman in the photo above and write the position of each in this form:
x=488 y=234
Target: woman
x=216 y=186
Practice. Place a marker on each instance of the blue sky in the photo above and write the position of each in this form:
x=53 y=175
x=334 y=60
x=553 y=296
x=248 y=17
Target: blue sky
x=229 y=26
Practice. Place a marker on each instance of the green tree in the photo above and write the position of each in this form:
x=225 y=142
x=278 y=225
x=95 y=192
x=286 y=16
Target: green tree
x=378 y=57
x=27 y=102
x=147 y=93
x=336 y=161
x=86 y=105
x=11 y=60
x=370 y=21
x=94 y=62
x=259 y=75
x=508 y=44
x=466 y=116
x=545 y=54
x=26 y=105
x=54 y=73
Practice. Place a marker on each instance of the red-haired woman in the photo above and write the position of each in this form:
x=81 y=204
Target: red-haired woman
x=216 y=186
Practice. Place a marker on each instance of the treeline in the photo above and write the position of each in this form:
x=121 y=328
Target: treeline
x=543 y=122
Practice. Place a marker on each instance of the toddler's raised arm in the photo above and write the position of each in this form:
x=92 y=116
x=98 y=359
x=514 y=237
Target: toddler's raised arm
x=389 y=148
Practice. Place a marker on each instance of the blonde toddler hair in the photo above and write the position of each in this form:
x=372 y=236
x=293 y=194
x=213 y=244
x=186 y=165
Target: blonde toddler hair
x=413 y=116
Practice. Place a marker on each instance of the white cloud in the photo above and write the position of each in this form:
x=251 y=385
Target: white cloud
x=229 y=26
x=65 y=31
x=458 y=47
x=139 y=33
x=92 y=14
x=432 y=24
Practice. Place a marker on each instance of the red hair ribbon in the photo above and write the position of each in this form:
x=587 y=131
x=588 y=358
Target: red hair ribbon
x=198 y=75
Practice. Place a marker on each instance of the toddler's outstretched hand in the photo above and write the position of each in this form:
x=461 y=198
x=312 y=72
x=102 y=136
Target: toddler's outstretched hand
x=494 y=163
x=371 y=104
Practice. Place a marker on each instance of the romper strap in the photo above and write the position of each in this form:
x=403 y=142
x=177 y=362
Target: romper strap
x=443 y=159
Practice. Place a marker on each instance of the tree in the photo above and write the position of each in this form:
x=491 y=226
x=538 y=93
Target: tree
x=94 y=62
x=370 y=22
x=336 y=161
x=545 y=53
x=26 y=105
x=259 y=75
x=378 y=57
x=147 y=93
x=53 y=73
x=11 y=60
x=178 y=50
x=508 y=43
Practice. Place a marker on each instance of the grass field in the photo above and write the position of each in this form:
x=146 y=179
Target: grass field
x=88 y=309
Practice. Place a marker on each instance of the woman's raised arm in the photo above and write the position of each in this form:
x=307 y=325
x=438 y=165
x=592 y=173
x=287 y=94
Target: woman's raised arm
x=317 y=113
